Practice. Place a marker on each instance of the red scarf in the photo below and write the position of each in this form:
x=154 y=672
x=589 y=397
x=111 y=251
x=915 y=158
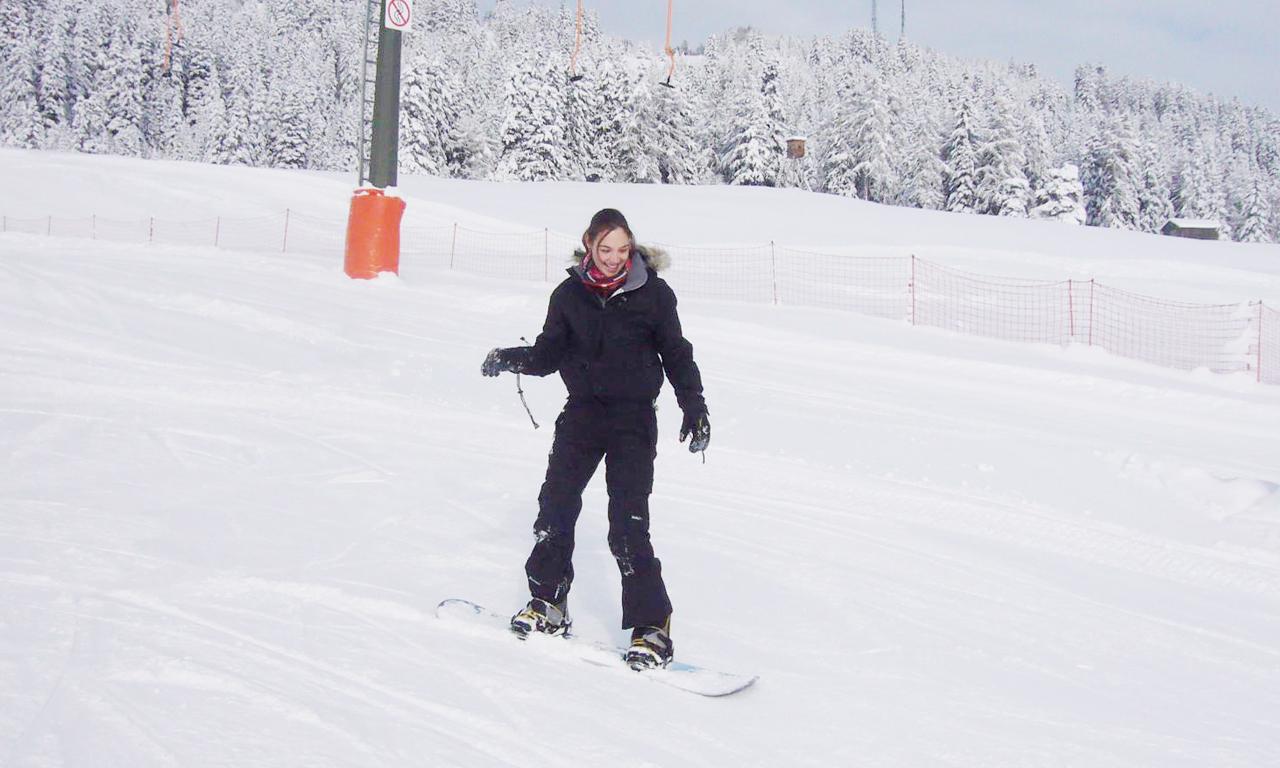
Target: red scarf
x=598 y=281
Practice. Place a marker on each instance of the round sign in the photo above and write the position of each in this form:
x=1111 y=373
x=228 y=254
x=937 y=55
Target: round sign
x=399 y=13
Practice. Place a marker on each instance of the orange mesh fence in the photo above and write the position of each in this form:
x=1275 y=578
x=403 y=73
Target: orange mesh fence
x=1170 y=333
x=1011 y=309
x=738 y=274
x=508 y=255
x=320 y=235
x=41 y=226
x=83 y=227
x=428 y=246
x=201 y=233
x=1219 y=337
x=122 y=231
x=260 y=233
x=878 y=285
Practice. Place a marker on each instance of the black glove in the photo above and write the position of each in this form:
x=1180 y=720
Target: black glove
x=697 y=425
x=499 y=360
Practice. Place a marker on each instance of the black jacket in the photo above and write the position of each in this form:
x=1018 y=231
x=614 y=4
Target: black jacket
x=616 y=349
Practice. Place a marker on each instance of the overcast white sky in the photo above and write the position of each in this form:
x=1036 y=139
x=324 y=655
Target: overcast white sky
x=1227 y=47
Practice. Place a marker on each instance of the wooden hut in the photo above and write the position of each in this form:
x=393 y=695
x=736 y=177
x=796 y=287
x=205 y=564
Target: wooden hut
x=1197 y=229
x=795 y=147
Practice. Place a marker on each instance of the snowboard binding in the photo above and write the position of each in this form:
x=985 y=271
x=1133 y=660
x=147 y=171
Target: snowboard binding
x=542 y=617
x=651 y=647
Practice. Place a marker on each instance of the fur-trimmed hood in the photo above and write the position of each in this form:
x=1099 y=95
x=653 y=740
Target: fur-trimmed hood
x=654 y=257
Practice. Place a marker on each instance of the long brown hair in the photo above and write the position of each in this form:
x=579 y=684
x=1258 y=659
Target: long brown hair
x=605 y=221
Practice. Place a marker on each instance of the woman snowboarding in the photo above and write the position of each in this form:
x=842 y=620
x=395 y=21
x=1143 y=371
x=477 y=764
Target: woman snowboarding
x=611 y=331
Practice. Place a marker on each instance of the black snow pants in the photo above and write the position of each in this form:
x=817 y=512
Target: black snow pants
x=626 y=436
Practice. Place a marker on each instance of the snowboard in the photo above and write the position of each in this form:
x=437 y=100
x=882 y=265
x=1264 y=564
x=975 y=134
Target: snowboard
x=677 y=674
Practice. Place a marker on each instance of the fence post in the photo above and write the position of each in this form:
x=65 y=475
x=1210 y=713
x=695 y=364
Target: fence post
x=546 y=255
x=151 y=231
x=773 y=261
x=453 y=246
x=1091 y=311
x=1258 y=352
x=284 y=244
x=217 y=230
x=912 y=286
x=1071 y=308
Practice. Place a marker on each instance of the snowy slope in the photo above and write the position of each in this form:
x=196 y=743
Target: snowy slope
x=1173 y=268
x=236 y=484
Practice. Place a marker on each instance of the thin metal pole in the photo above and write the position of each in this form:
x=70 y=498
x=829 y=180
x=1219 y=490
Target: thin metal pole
x=151 y=233
x=773 y=260
x=48 y=227
x=217 y=230
x=94 y=229
x=912 y=285
x=362 y=145
x=1071 y=308
x=1091 y=311
x=285 y=243
x=546 y=255
x=1258 y=365
x=453 y=247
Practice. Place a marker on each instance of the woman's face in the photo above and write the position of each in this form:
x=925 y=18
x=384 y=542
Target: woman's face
x=611 y=252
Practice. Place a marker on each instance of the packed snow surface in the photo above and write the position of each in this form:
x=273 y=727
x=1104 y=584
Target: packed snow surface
x=236 y=485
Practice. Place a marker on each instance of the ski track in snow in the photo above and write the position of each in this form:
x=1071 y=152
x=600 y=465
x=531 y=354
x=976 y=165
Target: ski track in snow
x=236 y=485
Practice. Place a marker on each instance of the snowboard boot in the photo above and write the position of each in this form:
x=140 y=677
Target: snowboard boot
x=544 y=617
x=651 y=647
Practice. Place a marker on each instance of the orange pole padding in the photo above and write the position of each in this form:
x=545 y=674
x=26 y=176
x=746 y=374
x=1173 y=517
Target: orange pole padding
x=373 y=234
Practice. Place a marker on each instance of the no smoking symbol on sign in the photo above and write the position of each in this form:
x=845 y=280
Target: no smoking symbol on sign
x=399 y=14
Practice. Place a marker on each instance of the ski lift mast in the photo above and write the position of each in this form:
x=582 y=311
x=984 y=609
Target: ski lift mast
x=373 y=225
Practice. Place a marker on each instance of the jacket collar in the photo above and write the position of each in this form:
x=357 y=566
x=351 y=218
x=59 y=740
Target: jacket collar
x=637 y=277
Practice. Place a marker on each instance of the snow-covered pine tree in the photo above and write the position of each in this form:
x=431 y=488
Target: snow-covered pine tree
x=1061 y=196
x=680 y=157
x=750 y=154
x=922 y=179
x=165 y=132
x=88 y=59
x=581 y=102
x=871 y=133
x=21 y=124
x=1001 y=185
x=53 y=29
x=289 y=140
x=207 y=117
x=1154 y=206
x=959 y=157
x=122 y=84
x=770 y=92
x=533 y=131
x=1255 y=221
x=244 y=141
x=1110 y=179
x=427 y=116
x=1192 y=195
x=635 y=160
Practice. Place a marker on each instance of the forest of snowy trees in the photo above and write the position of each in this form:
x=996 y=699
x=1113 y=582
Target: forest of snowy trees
x=278 y=84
